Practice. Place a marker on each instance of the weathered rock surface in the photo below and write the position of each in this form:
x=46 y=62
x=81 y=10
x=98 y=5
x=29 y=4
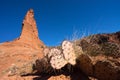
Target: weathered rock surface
x=107 y=70
x=85 y=64
x=103 y=56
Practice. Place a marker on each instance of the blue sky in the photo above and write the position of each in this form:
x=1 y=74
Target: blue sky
x=59 y=19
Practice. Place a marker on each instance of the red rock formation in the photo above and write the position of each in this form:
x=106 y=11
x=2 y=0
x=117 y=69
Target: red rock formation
x=29 y=34
x=22 y=50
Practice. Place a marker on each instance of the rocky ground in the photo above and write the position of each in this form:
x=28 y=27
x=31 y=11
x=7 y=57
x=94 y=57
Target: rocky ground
x=96 y=57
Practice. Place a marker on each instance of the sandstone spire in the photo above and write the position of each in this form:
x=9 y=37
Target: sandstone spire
x=29 y=32
x=29 y=28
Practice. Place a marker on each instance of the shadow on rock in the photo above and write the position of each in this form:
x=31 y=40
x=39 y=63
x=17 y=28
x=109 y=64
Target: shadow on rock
x=45 y=77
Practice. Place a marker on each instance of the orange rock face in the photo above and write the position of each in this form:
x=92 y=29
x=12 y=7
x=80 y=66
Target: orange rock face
x=29 y=34
x=23 y=50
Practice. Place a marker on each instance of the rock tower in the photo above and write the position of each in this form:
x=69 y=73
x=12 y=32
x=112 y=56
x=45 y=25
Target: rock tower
x=29 y=34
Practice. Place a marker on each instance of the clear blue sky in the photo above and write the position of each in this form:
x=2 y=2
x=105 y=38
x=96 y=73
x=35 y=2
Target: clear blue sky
x=59 y=19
